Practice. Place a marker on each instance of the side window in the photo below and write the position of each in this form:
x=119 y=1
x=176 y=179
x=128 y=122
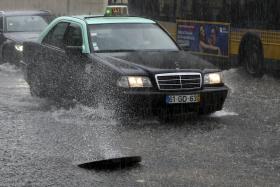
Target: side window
x=55 y=36
x=73 y=36
x=1 y=23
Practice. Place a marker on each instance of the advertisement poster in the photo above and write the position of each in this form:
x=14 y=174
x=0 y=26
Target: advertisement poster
x=204 y=37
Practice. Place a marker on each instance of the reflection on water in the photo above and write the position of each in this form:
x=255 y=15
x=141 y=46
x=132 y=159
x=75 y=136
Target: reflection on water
x=223 y=113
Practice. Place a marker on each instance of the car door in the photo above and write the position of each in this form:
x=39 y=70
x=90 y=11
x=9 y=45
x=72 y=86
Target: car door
x=75 y=80
x=54 y=57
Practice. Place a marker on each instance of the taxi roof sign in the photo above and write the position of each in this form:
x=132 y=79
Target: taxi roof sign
x=116 y=10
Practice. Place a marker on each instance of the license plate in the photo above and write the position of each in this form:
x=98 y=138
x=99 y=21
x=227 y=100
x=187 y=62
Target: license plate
x=176 y=99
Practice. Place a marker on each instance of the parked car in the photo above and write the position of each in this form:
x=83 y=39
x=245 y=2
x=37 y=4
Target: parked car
x=128 y=63
x=19 y=26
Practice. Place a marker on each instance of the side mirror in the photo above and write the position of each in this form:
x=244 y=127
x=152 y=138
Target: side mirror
x=74 y=50
x=185 y=47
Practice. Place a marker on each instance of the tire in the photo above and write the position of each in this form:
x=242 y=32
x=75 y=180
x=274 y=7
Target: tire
x=251 y=55
x=3 y=61
x=34 y=81
x=7 y=55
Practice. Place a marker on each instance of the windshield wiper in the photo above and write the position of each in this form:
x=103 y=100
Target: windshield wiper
x=115 y=51
x=158 y=50
x=135 y=50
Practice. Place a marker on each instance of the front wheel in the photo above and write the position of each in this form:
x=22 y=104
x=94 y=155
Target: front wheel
x=251 y=56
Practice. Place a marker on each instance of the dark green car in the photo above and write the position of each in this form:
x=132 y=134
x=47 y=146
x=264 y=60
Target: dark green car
x=130 y=64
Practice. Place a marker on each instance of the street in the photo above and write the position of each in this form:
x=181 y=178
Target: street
x=41 y=141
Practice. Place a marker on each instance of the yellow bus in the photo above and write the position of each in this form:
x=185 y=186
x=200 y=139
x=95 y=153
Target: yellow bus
x=254 y=38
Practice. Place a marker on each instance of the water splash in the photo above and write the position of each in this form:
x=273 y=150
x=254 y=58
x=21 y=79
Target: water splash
x=82 y=114
x=105 y=132
x=9 y=68
x=223 y=113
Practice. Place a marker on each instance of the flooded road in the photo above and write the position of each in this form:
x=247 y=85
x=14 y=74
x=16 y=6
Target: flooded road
x=41 y=141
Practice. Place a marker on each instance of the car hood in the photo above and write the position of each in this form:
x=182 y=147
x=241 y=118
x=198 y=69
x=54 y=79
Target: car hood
x=173 y=61
x=22 y=36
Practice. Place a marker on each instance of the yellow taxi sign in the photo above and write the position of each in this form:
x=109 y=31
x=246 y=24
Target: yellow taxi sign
x=116 y=10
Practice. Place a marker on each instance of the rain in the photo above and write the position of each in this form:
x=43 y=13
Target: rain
x=51 y=140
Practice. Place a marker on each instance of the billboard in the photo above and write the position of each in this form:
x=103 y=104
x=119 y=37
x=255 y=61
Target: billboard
x=204 y=37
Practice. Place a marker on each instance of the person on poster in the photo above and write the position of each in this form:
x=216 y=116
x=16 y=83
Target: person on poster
x=208 y=46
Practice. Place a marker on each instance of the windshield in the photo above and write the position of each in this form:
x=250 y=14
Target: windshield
x=26 y=23
x=127 y=37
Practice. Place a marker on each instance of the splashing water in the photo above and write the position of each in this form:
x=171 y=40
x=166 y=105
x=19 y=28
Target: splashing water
x=223 y=113
x=82 y=114
x=9 y=68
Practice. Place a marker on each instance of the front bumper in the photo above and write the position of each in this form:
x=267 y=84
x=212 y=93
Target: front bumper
x=212 y=99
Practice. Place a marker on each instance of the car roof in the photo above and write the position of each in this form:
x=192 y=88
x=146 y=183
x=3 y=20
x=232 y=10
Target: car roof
x=97 y=19
x=24 y=12
x=85 y=20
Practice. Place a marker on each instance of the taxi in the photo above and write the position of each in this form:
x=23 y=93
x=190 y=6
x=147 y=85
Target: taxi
x=129 y=64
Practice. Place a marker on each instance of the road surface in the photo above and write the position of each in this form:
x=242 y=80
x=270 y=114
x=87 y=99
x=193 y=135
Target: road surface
x=41 y=141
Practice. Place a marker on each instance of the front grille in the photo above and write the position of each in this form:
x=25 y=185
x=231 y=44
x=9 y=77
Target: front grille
x=179 y=81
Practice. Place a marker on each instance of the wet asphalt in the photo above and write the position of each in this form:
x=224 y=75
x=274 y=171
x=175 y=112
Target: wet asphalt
x=41 y=142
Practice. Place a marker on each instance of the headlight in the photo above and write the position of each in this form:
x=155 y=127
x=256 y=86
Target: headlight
x=213 y=78
x=19 y=47
x=134 y=82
